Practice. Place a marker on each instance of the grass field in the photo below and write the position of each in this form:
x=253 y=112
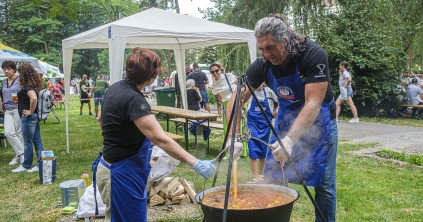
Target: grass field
x=369 y=189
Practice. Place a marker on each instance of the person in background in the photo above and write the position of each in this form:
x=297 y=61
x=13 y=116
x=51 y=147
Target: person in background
x=85 y=94
x=129 y=129
x=188 y=70
x=345 y=88
x=12 y=122
x=194 y=97
x=201 y=81
x=152 y=87
x=414 y=91
x=177 y=91
x=297 y=70
x=256 y=123
x=57 y=97
x=30 y=83
x=100 y=87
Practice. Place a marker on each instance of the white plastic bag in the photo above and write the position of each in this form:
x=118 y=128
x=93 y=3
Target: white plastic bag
x=86 y=205
x=164 y=165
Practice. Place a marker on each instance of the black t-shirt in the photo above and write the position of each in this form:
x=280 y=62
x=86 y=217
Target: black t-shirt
x=192 y=99
x=200 y=78
x=313 y=67
x=24 y=100
x=122 y=103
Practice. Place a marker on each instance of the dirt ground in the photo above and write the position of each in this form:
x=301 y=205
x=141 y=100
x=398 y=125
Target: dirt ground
x=165 y=213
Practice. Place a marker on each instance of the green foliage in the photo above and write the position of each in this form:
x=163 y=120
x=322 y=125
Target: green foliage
x=211 y=97
x=412 y=158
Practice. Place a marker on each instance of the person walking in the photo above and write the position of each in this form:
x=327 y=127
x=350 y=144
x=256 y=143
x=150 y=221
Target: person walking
x=85 y=94
x=296 y=69
x=201 y=81
x=12 y=121
x=345 y=88
x=129 y=129
x=30 y=83
x=100 y=87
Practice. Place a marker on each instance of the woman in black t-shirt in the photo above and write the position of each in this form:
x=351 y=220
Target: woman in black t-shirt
x=30 y=82
x=129 y=129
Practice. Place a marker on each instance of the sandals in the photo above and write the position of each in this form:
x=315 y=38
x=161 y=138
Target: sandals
x=259 y=180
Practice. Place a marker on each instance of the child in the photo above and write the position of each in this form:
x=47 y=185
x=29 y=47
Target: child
x=257 y=124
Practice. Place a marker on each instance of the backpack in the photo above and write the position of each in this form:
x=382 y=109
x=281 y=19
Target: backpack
x=45 y=103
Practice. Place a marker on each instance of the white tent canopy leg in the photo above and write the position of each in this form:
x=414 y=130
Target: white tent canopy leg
x=116 y=54
x=67 y=64
x=180 y=67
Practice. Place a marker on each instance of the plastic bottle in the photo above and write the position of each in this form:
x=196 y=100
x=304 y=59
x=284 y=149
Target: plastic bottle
x=85 y=176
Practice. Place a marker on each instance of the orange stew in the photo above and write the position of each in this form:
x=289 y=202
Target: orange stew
x=247 y=199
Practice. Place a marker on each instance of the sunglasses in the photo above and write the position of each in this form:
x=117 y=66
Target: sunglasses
x=214 y=71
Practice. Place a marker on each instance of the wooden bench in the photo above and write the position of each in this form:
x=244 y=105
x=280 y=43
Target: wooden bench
x=409 y=105
x=181 y=121
x=173 y=136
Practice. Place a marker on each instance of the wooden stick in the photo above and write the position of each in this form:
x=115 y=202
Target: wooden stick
x=235 y=179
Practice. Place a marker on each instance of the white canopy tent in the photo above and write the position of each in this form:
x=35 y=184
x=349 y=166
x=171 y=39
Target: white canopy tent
x=157 y=29
x=9 y=53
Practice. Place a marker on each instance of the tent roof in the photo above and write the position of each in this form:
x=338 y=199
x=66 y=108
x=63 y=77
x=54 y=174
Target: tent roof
x=156 y=28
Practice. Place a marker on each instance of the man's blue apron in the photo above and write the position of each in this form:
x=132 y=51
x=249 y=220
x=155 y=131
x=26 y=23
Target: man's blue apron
x=256 y=123
x=310 y=152
x=128 y=179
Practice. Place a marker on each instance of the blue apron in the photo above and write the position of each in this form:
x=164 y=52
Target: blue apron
x=128 y=180
x=310 y=152
x=255 y=122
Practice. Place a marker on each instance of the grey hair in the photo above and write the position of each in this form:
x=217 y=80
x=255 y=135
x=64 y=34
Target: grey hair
x=277 y=26
x=190 y=83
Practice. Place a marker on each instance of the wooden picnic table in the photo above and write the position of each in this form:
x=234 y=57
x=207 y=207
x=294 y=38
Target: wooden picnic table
x=187 y=114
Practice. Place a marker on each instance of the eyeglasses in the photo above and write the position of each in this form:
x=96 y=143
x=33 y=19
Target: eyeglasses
x=214 y=71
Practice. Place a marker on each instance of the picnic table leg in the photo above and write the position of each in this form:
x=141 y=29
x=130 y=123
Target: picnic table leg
x=208 y=138
x=167 y=122
x=186 y=134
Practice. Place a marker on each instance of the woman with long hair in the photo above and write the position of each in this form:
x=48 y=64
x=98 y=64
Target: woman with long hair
x=12 y=122
x=345 y=88
x=30 y=83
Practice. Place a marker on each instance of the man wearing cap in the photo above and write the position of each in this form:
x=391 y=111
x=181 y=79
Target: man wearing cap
x=413 y=91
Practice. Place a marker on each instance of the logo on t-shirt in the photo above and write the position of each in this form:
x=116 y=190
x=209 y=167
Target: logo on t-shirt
x=321 y=67
x=143 y=107
x=285 y=92
x=257 y=109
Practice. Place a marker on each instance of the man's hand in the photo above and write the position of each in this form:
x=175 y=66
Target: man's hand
x=278 y=152
x=237 y=148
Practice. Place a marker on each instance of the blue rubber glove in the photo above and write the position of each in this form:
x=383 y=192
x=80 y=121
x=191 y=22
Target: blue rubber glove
x=205 y=168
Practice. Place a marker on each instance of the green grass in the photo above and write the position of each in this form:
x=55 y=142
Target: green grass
x=369 y=189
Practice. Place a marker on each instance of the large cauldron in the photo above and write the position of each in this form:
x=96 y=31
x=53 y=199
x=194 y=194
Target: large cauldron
x=280 y=213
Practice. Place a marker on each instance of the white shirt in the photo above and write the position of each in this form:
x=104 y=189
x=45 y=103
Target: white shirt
x=221 y=86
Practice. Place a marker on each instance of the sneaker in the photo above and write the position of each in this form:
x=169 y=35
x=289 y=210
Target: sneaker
x=336 y=119
x=19 y=169
x=354 y=120
x=90 y=114
x=34 y=169
x=14 y=161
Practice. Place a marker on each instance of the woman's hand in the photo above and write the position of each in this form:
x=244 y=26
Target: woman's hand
x=26 y=113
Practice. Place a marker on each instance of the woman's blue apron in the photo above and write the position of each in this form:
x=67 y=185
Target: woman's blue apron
x=128 y=179
x=310 y=152
x=256 y=123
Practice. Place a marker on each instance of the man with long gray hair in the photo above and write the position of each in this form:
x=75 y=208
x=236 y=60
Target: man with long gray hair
x=297 y=71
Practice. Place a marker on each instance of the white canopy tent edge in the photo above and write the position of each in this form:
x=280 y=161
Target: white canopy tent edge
x=116 y=38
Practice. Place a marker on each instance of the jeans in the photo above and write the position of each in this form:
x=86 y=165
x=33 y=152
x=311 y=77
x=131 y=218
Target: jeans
x=31 y=135
x=98 y=99
x=326 y=194
x=12 y=130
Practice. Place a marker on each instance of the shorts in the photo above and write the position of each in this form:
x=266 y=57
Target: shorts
x=98 y=99
x=84 y=98
x=343 y=95
x=218 y=99
x=204 y=98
